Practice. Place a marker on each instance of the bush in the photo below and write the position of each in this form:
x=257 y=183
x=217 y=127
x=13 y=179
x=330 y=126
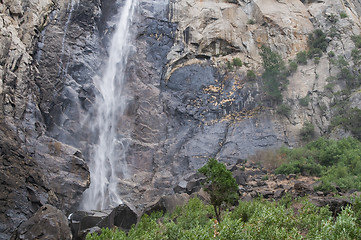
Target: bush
x=343 y=15
x=274 y=75
x=331 y=54
x=304 y=101
x=292 y=67
x=307 y=131
x=357 y=40
x=336 y=162
x=332 y=18
x=284 y=109
x=251 y=75
x=237 y=62
x=317 y=42
x=301 y=57
x=350 y=121
x=256 y=219
x=251 y=21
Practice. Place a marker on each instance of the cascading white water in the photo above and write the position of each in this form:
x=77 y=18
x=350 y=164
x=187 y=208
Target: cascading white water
x=108 y=159
x=70 y=10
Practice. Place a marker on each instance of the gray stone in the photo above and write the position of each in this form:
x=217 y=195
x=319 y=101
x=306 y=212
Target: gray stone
x=47 y=223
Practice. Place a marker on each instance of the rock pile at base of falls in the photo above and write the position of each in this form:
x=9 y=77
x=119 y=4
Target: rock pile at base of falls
x=84 y=222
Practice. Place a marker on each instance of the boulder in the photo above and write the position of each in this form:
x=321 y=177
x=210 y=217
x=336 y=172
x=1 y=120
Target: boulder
x=167 y=203
x=335 y=204
x=47 y=223
x=302 y=189
x=240 y=176
x=84 y=222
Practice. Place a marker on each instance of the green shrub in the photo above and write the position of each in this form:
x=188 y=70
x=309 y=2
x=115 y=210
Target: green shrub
x=307 y=132
x=237 y=62
x=331 y=54
x=284 y=109
x=343 y=15
x=350 y=120
x=336 y=162
x=357 y=40
x=274 y=77
x=304 y=101
x=251 y=75
x=292 y=67
x=229 y=65
x=251 y=21
x=332 y=18
x=301 y=57
x=317 y=43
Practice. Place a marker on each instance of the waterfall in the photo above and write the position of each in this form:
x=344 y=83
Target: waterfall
x=108 y=164
x=70 y=10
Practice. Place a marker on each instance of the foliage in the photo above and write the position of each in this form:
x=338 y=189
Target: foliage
x=332 y=18
x=307 y=131
x=251 y=75
x=343 y=15
x=357 y=40
x=284 y=109
x=292 y=67
x=331 y=54
x=251 y=21
x=317 y=43
x=275 y=75
x=304 y=101
x=336 y=162
x=258 y=219
x=237 y=62
x=219 y=184
x=301 y=57
x=350 y=120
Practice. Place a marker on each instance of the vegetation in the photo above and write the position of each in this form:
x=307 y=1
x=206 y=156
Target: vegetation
x=237 y=62
x=317 y=43
x=275 y=74
x=219 y=184
x=284 y=109
x=304 y=101
x=301 y=57
x=251 y=21
x=251 y=75
x=343 y=15
x=307 y=131
x=257 y=219
x=336 y=162
x=349 y=120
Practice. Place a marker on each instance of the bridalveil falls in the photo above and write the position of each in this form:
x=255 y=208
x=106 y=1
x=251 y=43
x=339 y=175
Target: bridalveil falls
x=108 y=156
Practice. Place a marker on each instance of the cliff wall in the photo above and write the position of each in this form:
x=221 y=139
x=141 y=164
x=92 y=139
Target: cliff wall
x=187 y=101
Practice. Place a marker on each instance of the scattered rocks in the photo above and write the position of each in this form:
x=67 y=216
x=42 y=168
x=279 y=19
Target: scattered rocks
x=84 y=222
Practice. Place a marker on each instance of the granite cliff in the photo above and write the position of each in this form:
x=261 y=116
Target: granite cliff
x=186 y=99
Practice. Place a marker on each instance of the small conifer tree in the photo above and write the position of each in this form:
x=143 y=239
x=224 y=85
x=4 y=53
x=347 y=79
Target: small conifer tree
x=219 y=184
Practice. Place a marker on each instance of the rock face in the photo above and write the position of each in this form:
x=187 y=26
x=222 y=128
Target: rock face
x=185 y=104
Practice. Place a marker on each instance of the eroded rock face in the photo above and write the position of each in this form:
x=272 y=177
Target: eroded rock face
x=36 y=169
